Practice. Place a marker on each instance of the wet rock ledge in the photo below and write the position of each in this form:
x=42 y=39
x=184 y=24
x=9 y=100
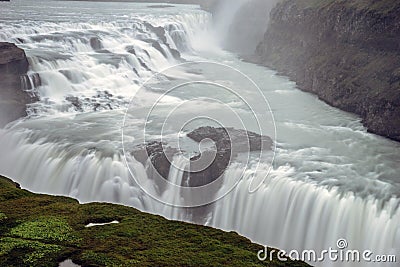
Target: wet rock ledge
x=208 y=166
x=13 y=99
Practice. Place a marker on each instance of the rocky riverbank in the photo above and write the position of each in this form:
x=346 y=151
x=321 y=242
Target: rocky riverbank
x=346 y=52
x=13 y=99
x=42 y=230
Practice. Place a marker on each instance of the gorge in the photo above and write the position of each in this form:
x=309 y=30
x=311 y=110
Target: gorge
x=107 y=69
x=346 y=52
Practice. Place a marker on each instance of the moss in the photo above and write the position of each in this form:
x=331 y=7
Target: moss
x=45 y=228
x=2 y=217
x=26 y=252
x=41 y=230
x=100 y=259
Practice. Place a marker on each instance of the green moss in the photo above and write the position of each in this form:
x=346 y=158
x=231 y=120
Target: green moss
x=45 y=228
x=26 y=252
x=42 y=230
x=100 y=259
x=2 y=216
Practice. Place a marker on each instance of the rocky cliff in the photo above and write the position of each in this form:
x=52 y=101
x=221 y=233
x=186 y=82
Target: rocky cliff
x=346 y=52
x=13 y=100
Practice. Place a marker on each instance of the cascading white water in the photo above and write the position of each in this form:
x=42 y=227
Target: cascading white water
x=87 y=171
x=330 y=179
x=173 y=193
x=102 y=62
x=302 y=216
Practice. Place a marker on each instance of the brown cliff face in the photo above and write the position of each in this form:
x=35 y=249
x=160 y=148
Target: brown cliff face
x=13 y=100
x=346 y=52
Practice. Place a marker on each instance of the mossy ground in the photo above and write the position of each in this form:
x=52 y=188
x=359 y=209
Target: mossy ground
x=42 y=230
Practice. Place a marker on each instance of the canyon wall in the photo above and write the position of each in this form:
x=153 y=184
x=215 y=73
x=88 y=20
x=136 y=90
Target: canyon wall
x=13 y=68
x=346 y=52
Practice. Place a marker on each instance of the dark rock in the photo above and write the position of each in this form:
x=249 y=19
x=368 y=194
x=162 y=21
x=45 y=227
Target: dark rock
x=204 y=168
x=141 y=62
x=17 y=185
x=225 y=138
x=229 y=142
x=159 y=31
x=154 y=43
x=158 y=154
x=157 y=46
x=95 y=43
x=96 y=106
x=75 y=102
x=346 y=52
x=210 y=165
x=175 y=53
x=131 y=50
x=30 y=82
x=159 y=157
x=13 y=67
x=12 y=59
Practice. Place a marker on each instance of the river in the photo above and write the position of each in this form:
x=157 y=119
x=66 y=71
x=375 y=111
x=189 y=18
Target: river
x=326 y=179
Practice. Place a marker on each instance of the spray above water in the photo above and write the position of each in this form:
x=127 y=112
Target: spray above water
x=240 y=24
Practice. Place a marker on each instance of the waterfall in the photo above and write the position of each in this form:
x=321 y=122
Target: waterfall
x=99 y=65
x=88 y=172
x=292 y=214
x=172 y=193
x=86 y=67
x=283 y=213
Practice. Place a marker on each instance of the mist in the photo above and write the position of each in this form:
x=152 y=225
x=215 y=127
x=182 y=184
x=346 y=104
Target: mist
x=241 y=24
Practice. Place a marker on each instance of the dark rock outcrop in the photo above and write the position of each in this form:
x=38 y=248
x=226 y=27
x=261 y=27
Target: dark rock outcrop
x=76 y=102
x=346 y=52
x=156 y=44
x=229 y=143
x=96 y=44
x=13 y=100
x=158 y=153
x=162 y=39
x=230 y=138
x=210 y=165
x=205 y=167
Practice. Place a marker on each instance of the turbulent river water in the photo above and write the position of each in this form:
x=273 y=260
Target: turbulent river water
x=330 y=179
